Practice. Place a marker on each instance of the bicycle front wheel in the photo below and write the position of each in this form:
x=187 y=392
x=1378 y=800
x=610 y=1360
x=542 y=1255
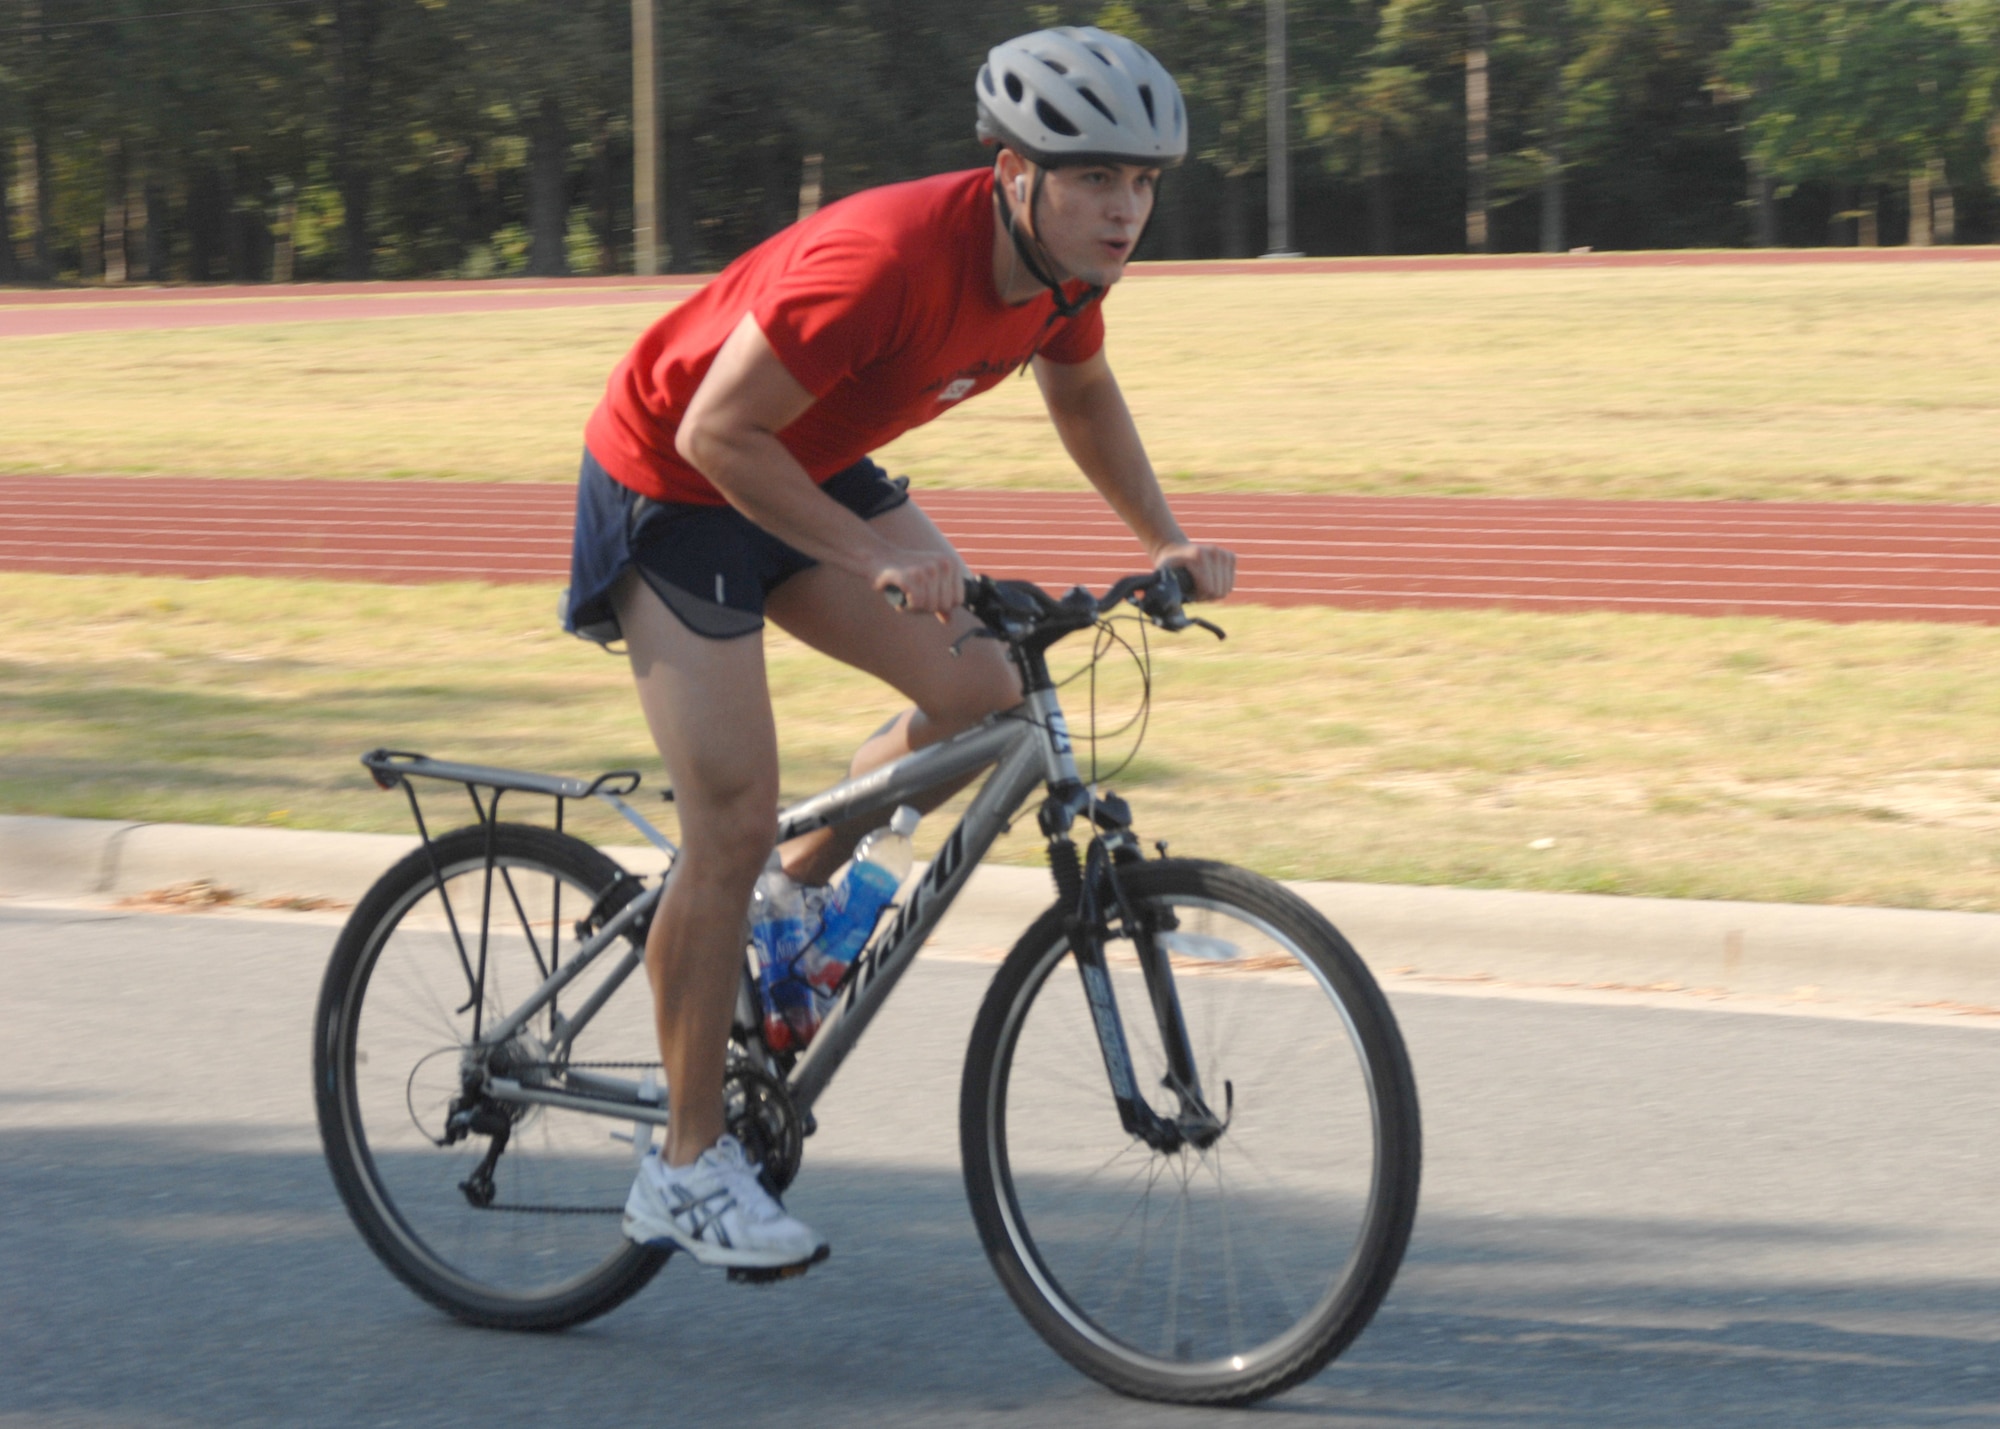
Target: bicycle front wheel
x=1213 y=1274
x=535 y=1243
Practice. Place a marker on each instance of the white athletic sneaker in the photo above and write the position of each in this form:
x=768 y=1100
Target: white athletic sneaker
x=717 y=1211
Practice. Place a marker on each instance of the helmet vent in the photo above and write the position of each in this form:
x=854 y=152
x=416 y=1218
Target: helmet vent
x=1053 y=117
x=1033 y=100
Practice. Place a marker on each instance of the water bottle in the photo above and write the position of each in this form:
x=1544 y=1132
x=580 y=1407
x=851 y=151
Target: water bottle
x=855 y=901
x=778 y=928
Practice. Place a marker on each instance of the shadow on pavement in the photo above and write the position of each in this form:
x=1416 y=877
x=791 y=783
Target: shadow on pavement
x=209 y=1276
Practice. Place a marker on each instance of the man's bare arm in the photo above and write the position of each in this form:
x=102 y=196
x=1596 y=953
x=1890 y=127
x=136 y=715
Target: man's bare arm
x=1097 y=430
x=730 y=435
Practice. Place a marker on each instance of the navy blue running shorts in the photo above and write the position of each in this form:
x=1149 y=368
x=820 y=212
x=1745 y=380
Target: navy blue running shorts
x=711 y=565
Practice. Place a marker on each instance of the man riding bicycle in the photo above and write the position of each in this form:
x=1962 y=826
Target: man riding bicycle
x=726 y=477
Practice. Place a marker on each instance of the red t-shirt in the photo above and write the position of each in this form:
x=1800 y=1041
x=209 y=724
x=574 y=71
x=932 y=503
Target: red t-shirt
x=881 y=305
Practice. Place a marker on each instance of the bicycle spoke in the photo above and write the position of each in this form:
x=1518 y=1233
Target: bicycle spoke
x=1144 y=1211
x=1169 y=1347
x=441 y=1022
x=1231 y=1289
x=1295 y=1303
x=527 y=929
x=1149 y=1167
x=1131 y=1144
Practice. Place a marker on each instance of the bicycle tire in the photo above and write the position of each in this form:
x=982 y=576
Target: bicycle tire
x=1033 y=1060
x=563 y=1267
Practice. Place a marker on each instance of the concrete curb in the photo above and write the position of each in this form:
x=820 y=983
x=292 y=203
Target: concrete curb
x=65 y=858
x=1449 y=933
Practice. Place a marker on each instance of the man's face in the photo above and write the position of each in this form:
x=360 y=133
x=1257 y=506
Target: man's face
x=1091 y=216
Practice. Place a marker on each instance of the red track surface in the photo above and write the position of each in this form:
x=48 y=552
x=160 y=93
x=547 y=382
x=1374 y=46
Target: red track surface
x=55 y=312
x=58 y=314
x=1824 y=562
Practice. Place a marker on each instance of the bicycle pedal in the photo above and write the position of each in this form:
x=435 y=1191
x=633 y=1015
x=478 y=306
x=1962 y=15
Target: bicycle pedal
x=771 y=1275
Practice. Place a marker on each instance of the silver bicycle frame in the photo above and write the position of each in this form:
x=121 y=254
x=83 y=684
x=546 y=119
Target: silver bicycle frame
x=1027 y=746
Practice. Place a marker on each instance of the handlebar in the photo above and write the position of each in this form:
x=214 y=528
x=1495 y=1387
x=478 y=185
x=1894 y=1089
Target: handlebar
x=1021 y=611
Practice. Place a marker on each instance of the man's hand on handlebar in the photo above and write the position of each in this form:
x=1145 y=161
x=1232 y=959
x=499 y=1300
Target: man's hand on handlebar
x=922 y=582
x=1020 y=610
x=1213 y=567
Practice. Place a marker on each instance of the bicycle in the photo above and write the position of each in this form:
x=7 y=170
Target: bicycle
x=1194 y=1169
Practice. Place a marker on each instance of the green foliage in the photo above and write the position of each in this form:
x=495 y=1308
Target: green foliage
x=1382 y=91
x=1854 y=91
x=221 y=137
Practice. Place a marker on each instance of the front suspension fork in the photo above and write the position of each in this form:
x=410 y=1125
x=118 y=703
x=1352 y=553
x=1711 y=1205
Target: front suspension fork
x=1092 y=893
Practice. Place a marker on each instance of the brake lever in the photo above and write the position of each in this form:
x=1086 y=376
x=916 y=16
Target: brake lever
x=1174 y=616
x=1177 y=619
x=978 y=632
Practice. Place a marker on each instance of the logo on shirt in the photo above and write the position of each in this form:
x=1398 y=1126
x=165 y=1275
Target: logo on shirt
x=961 y=382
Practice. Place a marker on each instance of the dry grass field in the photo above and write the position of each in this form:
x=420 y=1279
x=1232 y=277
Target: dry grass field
x=1629 y=754
x=1806 y=383
x=1618 y=754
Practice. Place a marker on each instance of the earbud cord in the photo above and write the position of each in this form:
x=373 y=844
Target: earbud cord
x=1065 y=307
x=1013 y=261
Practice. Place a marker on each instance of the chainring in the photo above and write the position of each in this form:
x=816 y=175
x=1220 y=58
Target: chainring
x=760 y=1115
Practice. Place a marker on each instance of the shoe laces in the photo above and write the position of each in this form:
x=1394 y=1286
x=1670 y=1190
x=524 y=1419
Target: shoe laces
x=740 y=1174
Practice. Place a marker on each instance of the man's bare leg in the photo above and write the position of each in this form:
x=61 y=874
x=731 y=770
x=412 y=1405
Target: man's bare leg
x=709 y=710
x=840 y=614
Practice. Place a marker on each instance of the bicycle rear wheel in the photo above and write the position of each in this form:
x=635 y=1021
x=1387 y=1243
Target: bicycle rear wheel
x=396 y=1013
x=1202 y=1275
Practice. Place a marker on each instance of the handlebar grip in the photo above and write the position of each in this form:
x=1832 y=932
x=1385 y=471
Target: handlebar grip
x=897 y=597
x=1184 y=578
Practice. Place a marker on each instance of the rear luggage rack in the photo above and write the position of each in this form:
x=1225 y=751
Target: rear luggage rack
x=391 y=767
x=395 y=768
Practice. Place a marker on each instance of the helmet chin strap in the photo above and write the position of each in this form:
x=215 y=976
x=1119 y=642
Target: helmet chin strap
x=1034 y=256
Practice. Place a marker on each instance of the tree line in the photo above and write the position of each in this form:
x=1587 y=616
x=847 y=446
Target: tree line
x=208 y=140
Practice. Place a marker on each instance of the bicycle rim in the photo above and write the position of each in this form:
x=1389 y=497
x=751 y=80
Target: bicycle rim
x=551 y=1229
x=1213 y=1274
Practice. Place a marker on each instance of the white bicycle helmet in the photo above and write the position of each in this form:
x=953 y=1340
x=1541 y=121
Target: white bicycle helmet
x=1081 y=95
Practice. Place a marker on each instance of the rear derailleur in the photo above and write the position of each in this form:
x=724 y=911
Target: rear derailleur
x=474 y=1114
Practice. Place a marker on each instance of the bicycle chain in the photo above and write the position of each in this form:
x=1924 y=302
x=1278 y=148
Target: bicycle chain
x=556 y=1210
x=558 y=1066
x=570 y=1210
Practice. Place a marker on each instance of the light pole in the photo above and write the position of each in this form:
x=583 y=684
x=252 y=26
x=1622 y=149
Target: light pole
x=645 y=144
x=1478 y=195
x=1277 y=142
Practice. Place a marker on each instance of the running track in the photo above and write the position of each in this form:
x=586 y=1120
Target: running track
x=1815 y=561
x=1833 y=562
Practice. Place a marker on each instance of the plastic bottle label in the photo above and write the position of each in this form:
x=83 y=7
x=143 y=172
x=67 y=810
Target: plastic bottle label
x=850 y=919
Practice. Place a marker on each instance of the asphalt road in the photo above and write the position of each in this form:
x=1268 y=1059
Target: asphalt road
x=1632 y=1216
